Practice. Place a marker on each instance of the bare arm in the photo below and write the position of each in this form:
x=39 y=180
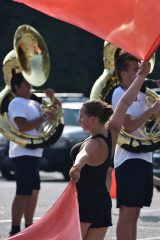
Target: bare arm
x=88 y=155
x=131 y=124
x=25 y=125
x=81 y=160
x=129 y=96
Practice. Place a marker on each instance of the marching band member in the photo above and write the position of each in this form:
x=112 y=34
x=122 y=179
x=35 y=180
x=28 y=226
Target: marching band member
x=25 y=115
x=134 y=174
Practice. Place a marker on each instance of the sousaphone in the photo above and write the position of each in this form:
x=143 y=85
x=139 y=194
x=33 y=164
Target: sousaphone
x=30 y=57
x=104 y=86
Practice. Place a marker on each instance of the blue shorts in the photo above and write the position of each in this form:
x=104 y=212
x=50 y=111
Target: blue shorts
x=134 y=183
x=27 y=174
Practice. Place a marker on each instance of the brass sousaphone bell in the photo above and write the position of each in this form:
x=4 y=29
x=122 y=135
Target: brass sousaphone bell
x=30 y=57
x=104 y=85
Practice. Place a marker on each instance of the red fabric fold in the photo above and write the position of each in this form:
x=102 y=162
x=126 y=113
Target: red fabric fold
x=61 y=222
x=113 y=185
x=132 y=25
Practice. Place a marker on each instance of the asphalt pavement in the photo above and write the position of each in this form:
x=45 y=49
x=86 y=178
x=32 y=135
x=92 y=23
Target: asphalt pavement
x=51 y=188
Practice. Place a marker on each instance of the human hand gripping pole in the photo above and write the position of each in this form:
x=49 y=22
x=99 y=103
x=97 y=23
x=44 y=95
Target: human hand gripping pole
x=144 y=69
x=80 y=162
x=74 y=173
x=134 y=88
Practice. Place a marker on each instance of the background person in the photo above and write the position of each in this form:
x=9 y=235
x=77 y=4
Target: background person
x=134 y=175
x=92 y=158
x=25 y=115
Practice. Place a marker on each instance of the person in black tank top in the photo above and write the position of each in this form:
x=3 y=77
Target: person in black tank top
x=92 y=158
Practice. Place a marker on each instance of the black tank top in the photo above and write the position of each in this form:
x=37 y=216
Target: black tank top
x=94 y=175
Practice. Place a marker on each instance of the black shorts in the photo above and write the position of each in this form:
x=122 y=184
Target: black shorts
x=134 y=183
x=27 y=174
x=94 y=205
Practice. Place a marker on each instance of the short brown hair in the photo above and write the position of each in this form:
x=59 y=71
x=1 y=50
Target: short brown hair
x=98 y=108
x=122 y=63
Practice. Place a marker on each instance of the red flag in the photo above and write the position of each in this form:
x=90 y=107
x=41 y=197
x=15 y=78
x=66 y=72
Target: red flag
x=132 y=25
x=113 y=185
x=61 y=222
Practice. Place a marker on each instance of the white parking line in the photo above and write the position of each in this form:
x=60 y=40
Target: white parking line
x=149 y=228
x=142 y=211
x=150 y=238
x=150 y=210
x=145 y=227
x=9 y=220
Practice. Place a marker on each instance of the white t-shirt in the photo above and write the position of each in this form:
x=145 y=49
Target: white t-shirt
x=28 y=109
x=136 y=108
